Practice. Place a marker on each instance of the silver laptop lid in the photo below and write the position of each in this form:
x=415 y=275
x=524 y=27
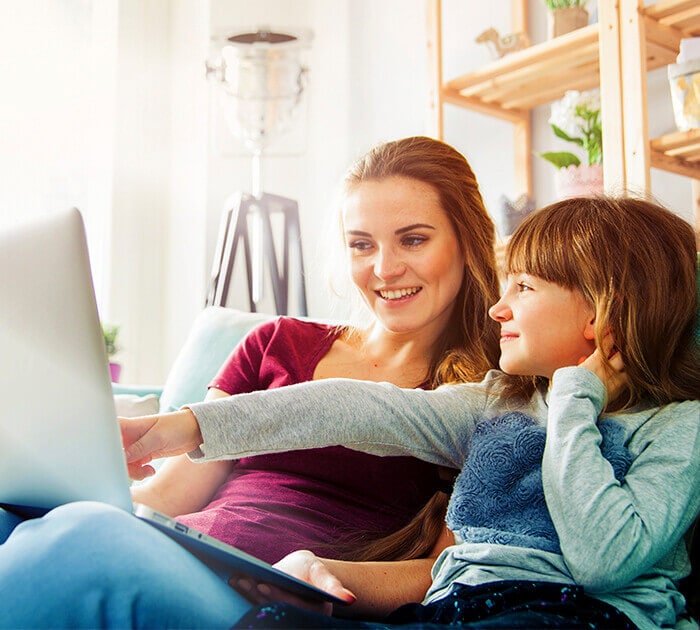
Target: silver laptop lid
x=59 y=439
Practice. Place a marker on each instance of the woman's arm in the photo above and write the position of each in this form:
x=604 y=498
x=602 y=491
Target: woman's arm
x=373 y=589
x=180 y=486
x=379 y=587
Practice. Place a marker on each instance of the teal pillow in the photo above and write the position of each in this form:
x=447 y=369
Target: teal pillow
x=215 y=333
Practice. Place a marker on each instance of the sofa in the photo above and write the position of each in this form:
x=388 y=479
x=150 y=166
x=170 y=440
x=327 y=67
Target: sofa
x=215 y=332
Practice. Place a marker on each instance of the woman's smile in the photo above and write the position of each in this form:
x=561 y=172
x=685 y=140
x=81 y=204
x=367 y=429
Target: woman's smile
x=398 y=295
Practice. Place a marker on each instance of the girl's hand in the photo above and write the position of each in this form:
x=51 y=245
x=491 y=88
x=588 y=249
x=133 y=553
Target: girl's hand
x=150 y=437
x=305 y=566
x=611 y=373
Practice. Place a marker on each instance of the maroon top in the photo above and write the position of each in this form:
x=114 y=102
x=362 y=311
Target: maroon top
x=271 y=505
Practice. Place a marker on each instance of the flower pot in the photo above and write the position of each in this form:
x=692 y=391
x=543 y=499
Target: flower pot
x=561 y=21
x=115 y=370
x=579 y=181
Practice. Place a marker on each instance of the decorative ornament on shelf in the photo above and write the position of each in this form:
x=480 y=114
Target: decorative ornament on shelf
x=565 y=16
x=501 y=45
x=511 y=213
x=111 y=332
x=684 y=81
x=576 y=119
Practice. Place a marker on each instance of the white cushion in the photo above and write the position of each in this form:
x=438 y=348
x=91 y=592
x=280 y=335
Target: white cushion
x=131 y=405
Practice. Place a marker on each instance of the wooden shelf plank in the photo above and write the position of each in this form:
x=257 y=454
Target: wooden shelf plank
x=682 y=15
x=672 y=141
x=667 y=8
x=568 y=62
x=677 y=152
x=455 y=98
x=675 y=165
x=522 y=59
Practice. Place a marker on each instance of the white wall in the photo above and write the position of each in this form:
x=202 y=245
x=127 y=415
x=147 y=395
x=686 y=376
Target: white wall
x=56 y=129
x=367 y=83
x=110 y=111
x=158 y=230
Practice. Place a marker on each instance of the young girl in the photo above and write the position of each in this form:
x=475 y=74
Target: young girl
x=580 y=459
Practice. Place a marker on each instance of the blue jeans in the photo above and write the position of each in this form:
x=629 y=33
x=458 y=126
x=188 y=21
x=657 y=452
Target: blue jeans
x=90 y=565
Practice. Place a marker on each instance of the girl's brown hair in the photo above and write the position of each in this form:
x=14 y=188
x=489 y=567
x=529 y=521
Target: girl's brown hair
x=635 y=263
x=469 y=346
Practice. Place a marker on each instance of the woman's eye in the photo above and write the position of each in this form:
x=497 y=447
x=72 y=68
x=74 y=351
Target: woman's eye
x=360 y=246
x=413 y=240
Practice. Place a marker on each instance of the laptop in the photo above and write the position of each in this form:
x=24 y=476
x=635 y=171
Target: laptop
x=59 y=435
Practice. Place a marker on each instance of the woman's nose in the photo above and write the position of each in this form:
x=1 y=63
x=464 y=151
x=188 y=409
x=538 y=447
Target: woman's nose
x=500 y=311
x=388 y=265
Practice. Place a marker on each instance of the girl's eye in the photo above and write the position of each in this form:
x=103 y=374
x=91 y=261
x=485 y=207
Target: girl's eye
x=413 y=240
x=523 y=287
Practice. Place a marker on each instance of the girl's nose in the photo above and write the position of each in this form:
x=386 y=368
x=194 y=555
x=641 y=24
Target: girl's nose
x=388 y=265
x=500 y=311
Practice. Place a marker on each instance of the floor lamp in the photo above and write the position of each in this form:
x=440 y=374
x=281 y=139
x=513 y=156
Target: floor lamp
x=262 y=80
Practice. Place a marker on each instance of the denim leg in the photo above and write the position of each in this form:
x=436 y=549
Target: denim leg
x=8 y=522
x=90 y=565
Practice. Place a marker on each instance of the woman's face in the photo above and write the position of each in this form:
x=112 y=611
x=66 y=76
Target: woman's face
x=404 y=254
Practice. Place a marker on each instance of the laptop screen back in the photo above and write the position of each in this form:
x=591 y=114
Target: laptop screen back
x=59 y=439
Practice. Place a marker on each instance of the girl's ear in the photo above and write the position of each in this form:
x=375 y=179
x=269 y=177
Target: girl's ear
x=589 y=329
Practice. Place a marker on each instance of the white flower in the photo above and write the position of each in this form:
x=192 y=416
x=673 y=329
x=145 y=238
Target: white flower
x=576 y=119
x=563 y=112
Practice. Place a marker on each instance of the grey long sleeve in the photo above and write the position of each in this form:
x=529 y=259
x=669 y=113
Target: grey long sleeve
x=377 y=418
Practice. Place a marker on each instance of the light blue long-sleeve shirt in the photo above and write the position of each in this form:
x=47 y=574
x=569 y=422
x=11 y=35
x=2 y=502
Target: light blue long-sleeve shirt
x=623 y=542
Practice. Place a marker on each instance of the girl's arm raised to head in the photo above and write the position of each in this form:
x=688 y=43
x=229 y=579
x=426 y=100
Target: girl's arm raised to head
x=377 y=418
x=613 y=531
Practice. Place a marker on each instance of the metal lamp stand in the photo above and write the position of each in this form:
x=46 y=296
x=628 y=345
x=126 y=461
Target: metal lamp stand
x=262 y=80
x=249 y=220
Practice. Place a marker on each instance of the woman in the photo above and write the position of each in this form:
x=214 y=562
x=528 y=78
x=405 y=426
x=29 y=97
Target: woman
x=579 y=459
x=420 y=251
x=419 y=246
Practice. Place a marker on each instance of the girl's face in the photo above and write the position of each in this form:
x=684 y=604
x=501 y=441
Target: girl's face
x=404 y=254
x=543 y=326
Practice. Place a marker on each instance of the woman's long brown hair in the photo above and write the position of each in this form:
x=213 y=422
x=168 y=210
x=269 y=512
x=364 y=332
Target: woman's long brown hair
x=469 y=346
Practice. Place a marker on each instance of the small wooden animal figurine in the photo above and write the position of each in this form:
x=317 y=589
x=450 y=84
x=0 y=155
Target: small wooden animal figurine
x=501 y=45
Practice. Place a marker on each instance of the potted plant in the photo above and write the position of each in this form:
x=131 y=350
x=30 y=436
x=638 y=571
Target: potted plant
x=576 y=119
x=111 y=332
x=565 y=16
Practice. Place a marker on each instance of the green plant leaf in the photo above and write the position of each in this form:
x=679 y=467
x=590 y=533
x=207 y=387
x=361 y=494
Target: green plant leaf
x=562 y=4
x=561 y=159
x=560 y=133
x=111 y=332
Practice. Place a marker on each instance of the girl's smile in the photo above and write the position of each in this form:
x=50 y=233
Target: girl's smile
x=544 y=326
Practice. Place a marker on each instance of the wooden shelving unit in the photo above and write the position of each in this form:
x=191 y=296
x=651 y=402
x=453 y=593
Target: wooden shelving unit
x=629 y=38
x=515 y=82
